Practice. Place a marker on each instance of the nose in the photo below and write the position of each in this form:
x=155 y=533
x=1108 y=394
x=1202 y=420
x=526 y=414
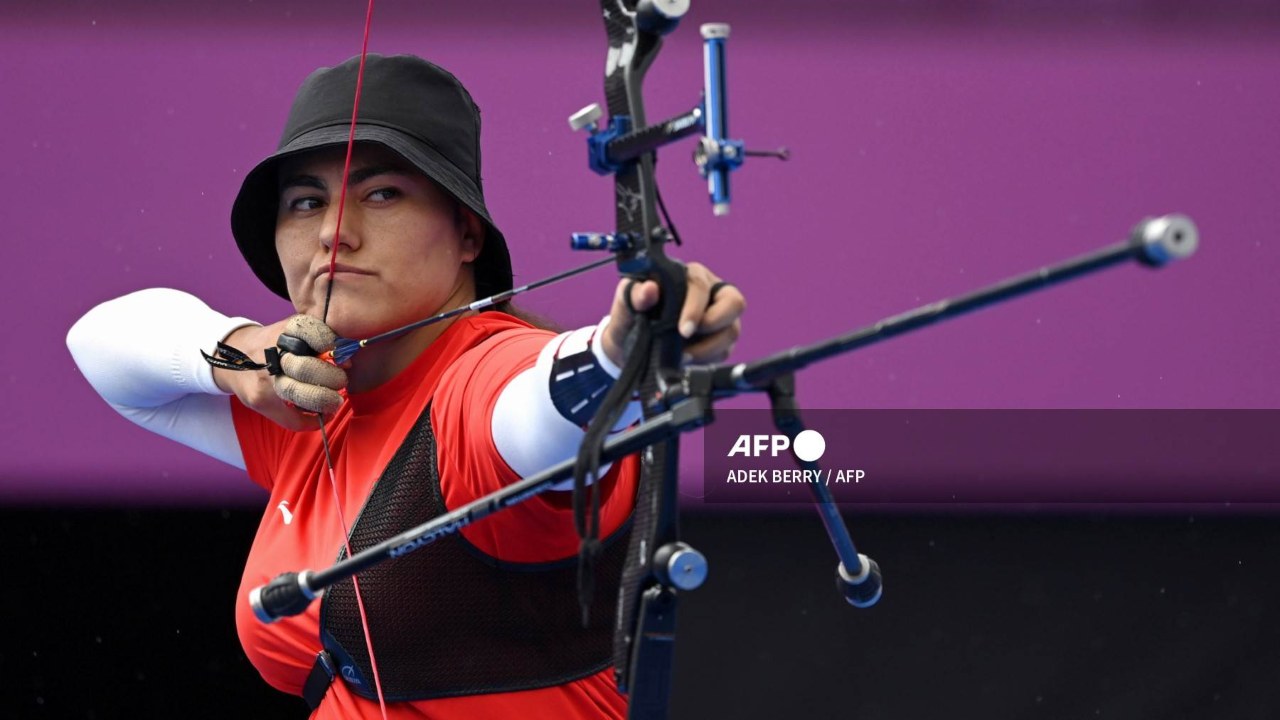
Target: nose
x=342 y=223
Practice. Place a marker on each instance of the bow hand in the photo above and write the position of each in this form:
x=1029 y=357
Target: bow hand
x=709 y=322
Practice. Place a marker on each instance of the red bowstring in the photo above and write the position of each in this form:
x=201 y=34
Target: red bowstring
x=333 y=264
x=346 y=534
x=346 y=166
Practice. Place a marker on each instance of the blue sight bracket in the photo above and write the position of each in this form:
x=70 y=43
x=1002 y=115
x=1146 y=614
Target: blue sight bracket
x=612 y=147
x=716 y=156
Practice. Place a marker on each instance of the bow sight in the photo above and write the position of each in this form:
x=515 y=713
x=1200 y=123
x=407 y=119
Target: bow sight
x=610 y=148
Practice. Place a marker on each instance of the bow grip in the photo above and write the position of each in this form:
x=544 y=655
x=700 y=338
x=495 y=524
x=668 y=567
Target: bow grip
x=671 y=275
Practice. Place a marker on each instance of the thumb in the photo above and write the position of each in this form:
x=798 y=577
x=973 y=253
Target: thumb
x=644 y=296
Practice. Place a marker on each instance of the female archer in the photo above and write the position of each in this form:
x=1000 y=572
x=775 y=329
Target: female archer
x=479 y=625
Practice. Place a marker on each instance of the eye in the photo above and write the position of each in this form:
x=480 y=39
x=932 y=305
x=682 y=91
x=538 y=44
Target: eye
x=306 y=203
x=384 y=194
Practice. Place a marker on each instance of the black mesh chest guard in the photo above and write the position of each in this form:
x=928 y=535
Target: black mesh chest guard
x=449 y=620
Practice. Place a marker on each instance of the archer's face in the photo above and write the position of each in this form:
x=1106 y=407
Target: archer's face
x=404 y=249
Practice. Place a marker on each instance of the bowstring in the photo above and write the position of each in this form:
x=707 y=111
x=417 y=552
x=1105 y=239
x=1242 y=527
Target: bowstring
x=328 y=295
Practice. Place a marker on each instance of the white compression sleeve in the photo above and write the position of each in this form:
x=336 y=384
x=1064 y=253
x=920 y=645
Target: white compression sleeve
x=528 y=430
x=141 y=353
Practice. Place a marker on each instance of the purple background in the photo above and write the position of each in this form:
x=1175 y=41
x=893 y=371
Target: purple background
x=936 y=146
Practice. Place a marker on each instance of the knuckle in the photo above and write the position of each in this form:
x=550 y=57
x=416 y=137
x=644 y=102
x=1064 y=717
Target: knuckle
x=294 y=326
x=312 y=331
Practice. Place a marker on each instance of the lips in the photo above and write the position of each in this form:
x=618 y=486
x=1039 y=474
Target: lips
x=340 y=269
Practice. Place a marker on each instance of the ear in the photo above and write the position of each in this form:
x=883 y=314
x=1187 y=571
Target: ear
x=473 y=234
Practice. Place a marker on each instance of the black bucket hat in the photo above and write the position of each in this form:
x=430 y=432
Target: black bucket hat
x=415 y=108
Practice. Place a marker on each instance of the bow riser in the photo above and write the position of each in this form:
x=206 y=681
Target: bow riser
x=643 y=651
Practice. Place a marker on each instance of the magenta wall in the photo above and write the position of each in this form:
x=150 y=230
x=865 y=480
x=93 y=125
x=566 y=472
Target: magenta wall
x=937 y=146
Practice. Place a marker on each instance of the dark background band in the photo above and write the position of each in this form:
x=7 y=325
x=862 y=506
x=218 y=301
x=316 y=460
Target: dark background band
x=128 y=613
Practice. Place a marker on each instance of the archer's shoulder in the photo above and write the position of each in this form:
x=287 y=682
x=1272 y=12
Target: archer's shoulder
x=494 y=349
x=493 y=340
x=492 y=323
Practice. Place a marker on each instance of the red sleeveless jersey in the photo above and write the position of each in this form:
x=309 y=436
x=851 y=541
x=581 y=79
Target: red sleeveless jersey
x=461 y=374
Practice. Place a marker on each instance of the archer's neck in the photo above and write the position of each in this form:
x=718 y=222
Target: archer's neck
x=377 y=364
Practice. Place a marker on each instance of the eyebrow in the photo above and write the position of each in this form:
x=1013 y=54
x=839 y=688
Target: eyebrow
x=358 y=176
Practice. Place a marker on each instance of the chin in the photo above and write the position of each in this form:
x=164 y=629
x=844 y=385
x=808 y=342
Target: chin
x=352 y=325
